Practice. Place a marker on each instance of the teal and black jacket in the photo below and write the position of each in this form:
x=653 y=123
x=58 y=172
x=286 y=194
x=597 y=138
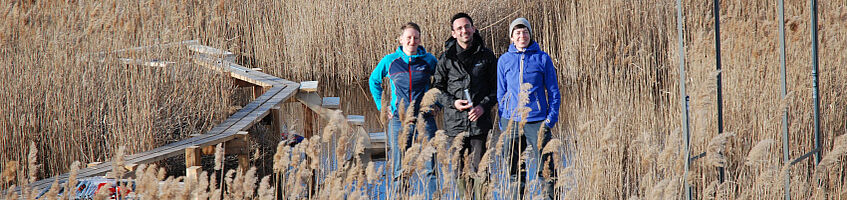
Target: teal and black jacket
x=409 y=77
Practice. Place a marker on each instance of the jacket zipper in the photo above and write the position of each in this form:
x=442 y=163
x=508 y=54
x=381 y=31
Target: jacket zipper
x=521 y=70
x=410 y=79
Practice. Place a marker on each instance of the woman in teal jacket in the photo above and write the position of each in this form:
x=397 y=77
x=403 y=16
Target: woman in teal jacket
x=409 y=70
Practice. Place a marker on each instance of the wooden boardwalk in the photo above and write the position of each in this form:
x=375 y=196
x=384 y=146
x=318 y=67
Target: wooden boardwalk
x=270 y=93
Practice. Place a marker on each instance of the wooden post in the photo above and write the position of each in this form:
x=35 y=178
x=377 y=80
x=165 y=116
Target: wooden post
x=276 y=120
x=240 y=146
x=192 y=174
x=308 y=114
x=193 y=156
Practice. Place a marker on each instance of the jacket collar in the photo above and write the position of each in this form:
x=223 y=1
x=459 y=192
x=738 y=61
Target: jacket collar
x=533 y=47
x=421 y=53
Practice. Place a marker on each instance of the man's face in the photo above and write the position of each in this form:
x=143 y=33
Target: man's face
x=463 y=30
x=410 y=39
x=520 y=37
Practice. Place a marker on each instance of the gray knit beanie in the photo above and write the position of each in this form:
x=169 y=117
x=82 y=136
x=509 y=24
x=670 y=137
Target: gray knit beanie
x=521 y=21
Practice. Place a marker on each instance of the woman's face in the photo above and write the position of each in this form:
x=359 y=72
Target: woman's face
x=410 y=39
x=520 y=37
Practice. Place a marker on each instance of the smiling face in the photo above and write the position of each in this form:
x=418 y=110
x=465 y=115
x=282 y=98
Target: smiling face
x=410 y=39
x=463 y=31
x=520 y=37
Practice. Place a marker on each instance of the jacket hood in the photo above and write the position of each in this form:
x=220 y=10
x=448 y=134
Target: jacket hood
x=421 y=53
x=476 y=45
x=533 y=47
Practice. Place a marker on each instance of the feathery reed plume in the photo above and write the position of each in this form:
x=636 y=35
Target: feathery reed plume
x=249 y=183
x=484 y=163
x=219 y=156
x=760 y=153
x=200 y=192
x=409 y=158
x=103 y=194
x=670 y=152
x=70 y=186
x=118 y=163
x=522 y=109
x=229 y=180
x=385 y=112
x=547 y=173
x=673 y=188
x=282 y=157
x=213 y=188
x=162 y=174
x=839 y=148
x=372 y=172
x=424 y=157
x=658 y=190
x=10 y=172
x=711 y=191
x=717 y=146
x=10 y=193
x=32 y=160
x=53 y=192
x=429 y=100
x=314 y=151
x=420 y=128
x=266 y=192
x=553 y=146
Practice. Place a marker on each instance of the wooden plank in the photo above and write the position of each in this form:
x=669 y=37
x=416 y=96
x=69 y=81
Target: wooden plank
x=211 y=51
x=356 y=120
x=331 y=102
x=152 y=63
x=193 y=156
x=309 y=86
x=243 y=124
x=165 y=45
x=236 y=71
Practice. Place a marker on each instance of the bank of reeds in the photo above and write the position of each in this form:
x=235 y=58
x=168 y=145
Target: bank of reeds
x=617 y=65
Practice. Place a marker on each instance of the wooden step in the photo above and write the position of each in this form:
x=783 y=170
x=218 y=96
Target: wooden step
x=331 y=102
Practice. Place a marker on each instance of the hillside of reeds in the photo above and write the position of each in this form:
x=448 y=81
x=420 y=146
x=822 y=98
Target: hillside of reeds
x=617 y=63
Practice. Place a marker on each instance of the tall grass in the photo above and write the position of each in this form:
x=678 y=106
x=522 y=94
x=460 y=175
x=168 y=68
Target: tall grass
x=617 y=65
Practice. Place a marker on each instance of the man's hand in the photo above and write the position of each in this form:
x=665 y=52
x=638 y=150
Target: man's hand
x=461 y=104
x=475 y=113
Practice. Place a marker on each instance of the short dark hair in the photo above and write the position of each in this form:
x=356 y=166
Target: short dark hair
x=459 y=16
x=410 y=25
x=519 y=26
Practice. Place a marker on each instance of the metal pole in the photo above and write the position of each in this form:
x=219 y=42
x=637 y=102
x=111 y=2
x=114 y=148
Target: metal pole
x=815 y=91
x=684 y=98
x=783 y=93
x=717 y=13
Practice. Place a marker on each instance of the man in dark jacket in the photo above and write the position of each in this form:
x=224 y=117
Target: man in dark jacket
x=467 y=66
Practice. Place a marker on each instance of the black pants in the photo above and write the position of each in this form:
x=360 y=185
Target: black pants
x=475 y=146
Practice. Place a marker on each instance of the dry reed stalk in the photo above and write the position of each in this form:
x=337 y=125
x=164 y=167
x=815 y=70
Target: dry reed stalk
x=118 y=163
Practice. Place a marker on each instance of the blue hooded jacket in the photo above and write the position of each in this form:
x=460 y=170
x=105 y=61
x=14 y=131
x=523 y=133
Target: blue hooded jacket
x=408 y=80
x=531 y=66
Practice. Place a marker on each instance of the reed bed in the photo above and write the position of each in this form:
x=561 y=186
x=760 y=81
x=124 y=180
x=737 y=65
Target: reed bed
x=617 y=64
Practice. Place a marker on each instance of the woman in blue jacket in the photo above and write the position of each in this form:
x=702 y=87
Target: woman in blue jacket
x=524 y=63
x=409 y=70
